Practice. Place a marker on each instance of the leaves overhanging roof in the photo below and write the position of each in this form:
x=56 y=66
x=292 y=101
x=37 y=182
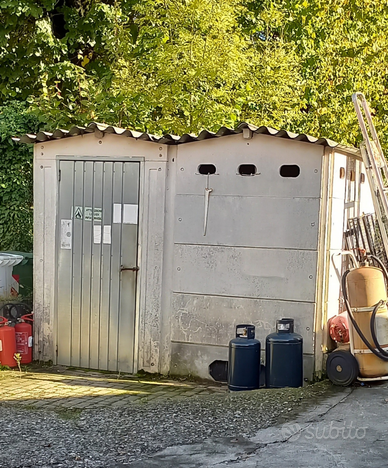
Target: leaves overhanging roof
x=169 y=139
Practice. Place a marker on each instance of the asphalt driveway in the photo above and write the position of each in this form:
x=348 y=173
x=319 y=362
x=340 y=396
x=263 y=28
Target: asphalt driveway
x=58 y=417
x=347 y=429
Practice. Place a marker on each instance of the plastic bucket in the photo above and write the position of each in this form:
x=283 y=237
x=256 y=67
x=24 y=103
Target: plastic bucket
x=8 y=285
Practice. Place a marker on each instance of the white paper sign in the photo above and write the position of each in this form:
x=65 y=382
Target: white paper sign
x=97 y=233
x=130 y=214
x=107 y=238
x=66 y=234
x=117 y=213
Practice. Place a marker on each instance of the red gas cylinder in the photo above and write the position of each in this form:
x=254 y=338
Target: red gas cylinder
x=339 y=328
x=7 y=344
x=23 y=332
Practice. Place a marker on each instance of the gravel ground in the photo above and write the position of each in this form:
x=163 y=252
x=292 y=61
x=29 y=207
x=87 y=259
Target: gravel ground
x=111 y=438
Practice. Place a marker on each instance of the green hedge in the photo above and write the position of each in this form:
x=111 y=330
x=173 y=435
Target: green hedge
x=16 y=190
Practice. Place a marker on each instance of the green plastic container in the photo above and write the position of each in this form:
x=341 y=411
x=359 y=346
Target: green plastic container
x=24 y=272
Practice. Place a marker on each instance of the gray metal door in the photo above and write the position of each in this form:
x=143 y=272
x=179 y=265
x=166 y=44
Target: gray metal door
x=97 y=264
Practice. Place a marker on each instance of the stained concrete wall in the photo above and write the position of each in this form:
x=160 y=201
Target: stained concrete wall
x=265 y=254
x=258 y=259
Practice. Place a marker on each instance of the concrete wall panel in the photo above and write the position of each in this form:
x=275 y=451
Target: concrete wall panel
x=45 y=199
x=248 y=221
x=212 y=320
x=195 y=359
x=151 y=267
x=267 y=153
x=246 y=272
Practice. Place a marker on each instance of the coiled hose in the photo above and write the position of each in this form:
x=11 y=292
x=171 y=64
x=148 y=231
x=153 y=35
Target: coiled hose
x=373 y=317
x=378 y=351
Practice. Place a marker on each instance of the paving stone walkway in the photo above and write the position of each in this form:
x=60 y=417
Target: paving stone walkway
x=60 y=387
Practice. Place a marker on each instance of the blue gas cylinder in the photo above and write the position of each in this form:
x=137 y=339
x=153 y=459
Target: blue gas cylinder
x=244 y=360
x=284 y=356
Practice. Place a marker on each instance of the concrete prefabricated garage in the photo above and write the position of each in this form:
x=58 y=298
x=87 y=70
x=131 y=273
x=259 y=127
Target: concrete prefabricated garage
x=148 y=251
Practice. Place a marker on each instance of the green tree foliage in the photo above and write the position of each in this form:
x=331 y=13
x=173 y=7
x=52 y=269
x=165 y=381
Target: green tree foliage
x=158 y=65
x=343 y=48
x=193 y=67
x=183 y=65
x=15 y=178
x=53 y=52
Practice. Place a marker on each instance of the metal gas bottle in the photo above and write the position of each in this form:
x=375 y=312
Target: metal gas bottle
x=366 y=286
x=7 y=344
x=339 y=328
x=284 y=356
x=244 y=360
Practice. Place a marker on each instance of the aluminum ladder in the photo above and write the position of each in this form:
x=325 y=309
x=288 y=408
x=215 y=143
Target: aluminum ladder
x=375 y=164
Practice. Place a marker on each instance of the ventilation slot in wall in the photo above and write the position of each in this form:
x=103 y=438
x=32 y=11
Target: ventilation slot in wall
x=290 y=170
x=206 y=169
x=247 y=169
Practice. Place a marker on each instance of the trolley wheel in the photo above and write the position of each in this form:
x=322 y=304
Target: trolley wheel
x=342 y=368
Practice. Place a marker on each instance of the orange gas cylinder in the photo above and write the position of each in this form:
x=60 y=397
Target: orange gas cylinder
x=366 y=287
x=23 y=333
x=7 y=344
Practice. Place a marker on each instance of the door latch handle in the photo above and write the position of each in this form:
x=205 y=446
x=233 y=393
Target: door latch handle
x=136 y=268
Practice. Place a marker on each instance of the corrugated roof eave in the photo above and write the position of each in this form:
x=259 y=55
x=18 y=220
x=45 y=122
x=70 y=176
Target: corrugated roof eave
x=169 y=139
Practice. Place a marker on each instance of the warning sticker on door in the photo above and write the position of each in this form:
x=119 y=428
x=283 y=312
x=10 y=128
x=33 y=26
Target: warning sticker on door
x=126 y=213
x=130 y=214
x=66 y=233
x=117 y=207
x=87 y=213
x=97 y=234
x=105 y=234
x=91 y=214
x=78 y=212
x=107 y=238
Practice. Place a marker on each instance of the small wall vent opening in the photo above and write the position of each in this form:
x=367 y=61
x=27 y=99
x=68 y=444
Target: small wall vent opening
x=206 y=169
x=247 y=169
x=290 y=170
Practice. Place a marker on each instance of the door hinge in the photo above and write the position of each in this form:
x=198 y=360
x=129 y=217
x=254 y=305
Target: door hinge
x=59 y=175
x=56 y=350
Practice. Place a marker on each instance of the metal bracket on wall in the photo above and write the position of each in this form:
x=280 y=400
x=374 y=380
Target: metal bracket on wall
x=208 y=191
